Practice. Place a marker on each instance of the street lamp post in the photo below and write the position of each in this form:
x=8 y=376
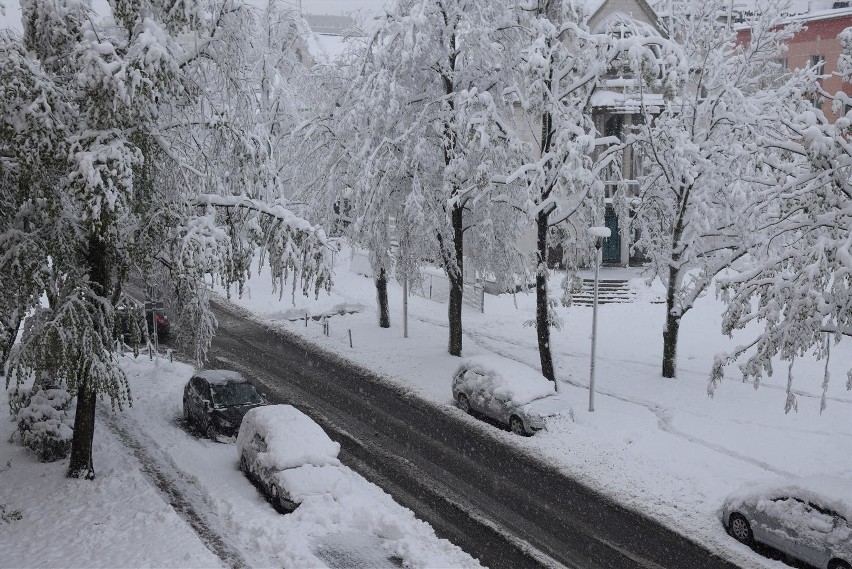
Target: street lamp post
x=599 y=233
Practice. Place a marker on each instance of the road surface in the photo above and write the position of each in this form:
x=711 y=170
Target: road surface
x=503 y=507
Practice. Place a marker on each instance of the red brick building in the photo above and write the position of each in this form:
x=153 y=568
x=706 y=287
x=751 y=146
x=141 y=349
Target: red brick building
x=817 y=43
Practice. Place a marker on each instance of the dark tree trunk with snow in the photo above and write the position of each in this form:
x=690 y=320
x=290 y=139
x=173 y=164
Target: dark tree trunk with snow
x=542 y=312
x=670 y=344
x=81 y=464
x=456 y=275
x=7 y=339
x=382 y=299
x=673 y=313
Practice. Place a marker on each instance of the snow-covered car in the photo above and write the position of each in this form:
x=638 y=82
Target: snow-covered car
x=507 y=391
x=290 y=457
x=216 y=400
x=805 y=518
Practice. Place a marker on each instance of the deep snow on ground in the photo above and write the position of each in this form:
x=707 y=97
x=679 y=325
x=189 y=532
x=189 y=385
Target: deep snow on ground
x=120 y=519
x=661 y=446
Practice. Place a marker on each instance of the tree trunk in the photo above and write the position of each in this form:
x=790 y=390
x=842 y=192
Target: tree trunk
x=7 y=340
x=671 y=329
x=542 y=312
x=382 y=299
x=456 y=285
x=81 y=464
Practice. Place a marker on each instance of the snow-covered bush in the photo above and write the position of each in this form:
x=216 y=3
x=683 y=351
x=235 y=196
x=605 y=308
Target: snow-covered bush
x=45 y=423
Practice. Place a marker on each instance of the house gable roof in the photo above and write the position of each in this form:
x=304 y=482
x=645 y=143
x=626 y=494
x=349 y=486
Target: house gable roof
x=638 y=10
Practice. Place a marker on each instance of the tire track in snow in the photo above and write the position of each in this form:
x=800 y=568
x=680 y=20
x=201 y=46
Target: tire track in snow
x=175 y=486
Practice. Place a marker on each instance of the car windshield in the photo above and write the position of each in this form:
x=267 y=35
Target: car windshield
x=230 y=394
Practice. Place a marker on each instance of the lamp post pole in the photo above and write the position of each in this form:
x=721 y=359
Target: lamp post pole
x=599 y=234
x=594 y=325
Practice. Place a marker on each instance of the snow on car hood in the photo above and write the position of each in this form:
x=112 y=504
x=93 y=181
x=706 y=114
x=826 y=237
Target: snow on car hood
x=549 y=406
x=832 y=492
x=309 y=480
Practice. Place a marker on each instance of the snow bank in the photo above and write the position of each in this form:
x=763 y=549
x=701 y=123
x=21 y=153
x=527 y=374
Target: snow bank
x=506 y=380
x=292 y=438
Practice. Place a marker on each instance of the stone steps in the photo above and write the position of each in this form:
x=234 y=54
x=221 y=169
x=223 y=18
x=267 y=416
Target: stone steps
x=609 y=291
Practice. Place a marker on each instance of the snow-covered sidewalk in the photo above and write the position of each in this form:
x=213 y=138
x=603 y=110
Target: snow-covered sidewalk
x=660 y=446
x=164 y=497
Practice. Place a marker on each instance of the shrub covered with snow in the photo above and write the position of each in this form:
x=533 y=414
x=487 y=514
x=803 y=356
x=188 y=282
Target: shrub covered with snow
x=292 y=438
x=45 y=423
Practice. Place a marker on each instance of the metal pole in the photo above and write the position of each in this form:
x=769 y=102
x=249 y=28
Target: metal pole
x=405 y=307
x=594 y=325
x=154 y=328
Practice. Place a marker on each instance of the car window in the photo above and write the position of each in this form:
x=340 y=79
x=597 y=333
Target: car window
x=825 y=511
x=231 y=394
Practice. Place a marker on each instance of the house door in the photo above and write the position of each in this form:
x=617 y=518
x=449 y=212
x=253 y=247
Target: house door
x=612 y=244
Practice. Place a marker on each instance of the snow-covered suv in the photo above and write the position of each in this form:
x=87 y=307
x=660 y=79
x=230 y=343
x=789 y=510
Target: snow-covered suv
x=289 y=456
x=215 y=401
x=507 y=391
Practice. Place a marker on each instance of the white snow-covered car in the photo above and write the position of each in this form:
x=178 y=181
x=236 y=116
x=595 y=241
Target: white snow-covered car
x=806 y=518
x=509 y=392
x=289 y=456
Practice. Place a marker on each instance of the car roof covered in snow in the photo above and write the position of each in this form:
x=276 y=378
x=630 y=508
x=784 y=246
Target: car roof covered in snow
x=832 y=492
x=292 y=438
x=506 y=379
x=220 y=376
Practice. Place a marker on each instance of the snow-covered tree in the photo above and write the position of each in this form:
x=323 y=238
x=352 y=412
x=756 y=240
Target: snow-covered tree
x=104 y=140
x=559 y=175
x=698 y=208
x=798 y=283
x=419 y=138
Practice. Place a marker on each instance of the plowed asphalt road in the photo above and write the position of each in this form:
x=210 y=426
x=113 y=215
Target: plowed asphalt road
x=504 y=508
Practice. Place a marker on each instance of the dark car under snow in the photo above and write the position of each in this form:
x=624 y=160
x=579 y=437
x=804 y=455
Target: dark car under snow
x=215 y=402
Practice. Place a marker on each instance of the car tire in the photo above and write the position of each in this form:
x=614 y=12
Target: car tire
x=464 y=403
x=740 y=529
x=517 y=426
x=838 y=564
x=244 y=465
x=185 y=411
x=211 y=432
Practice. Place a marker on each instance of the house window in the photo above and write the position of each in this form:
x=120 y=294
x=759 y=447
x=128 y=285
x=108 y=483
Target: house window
x=782 y=63
x=818 y=62
x=613 y=126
